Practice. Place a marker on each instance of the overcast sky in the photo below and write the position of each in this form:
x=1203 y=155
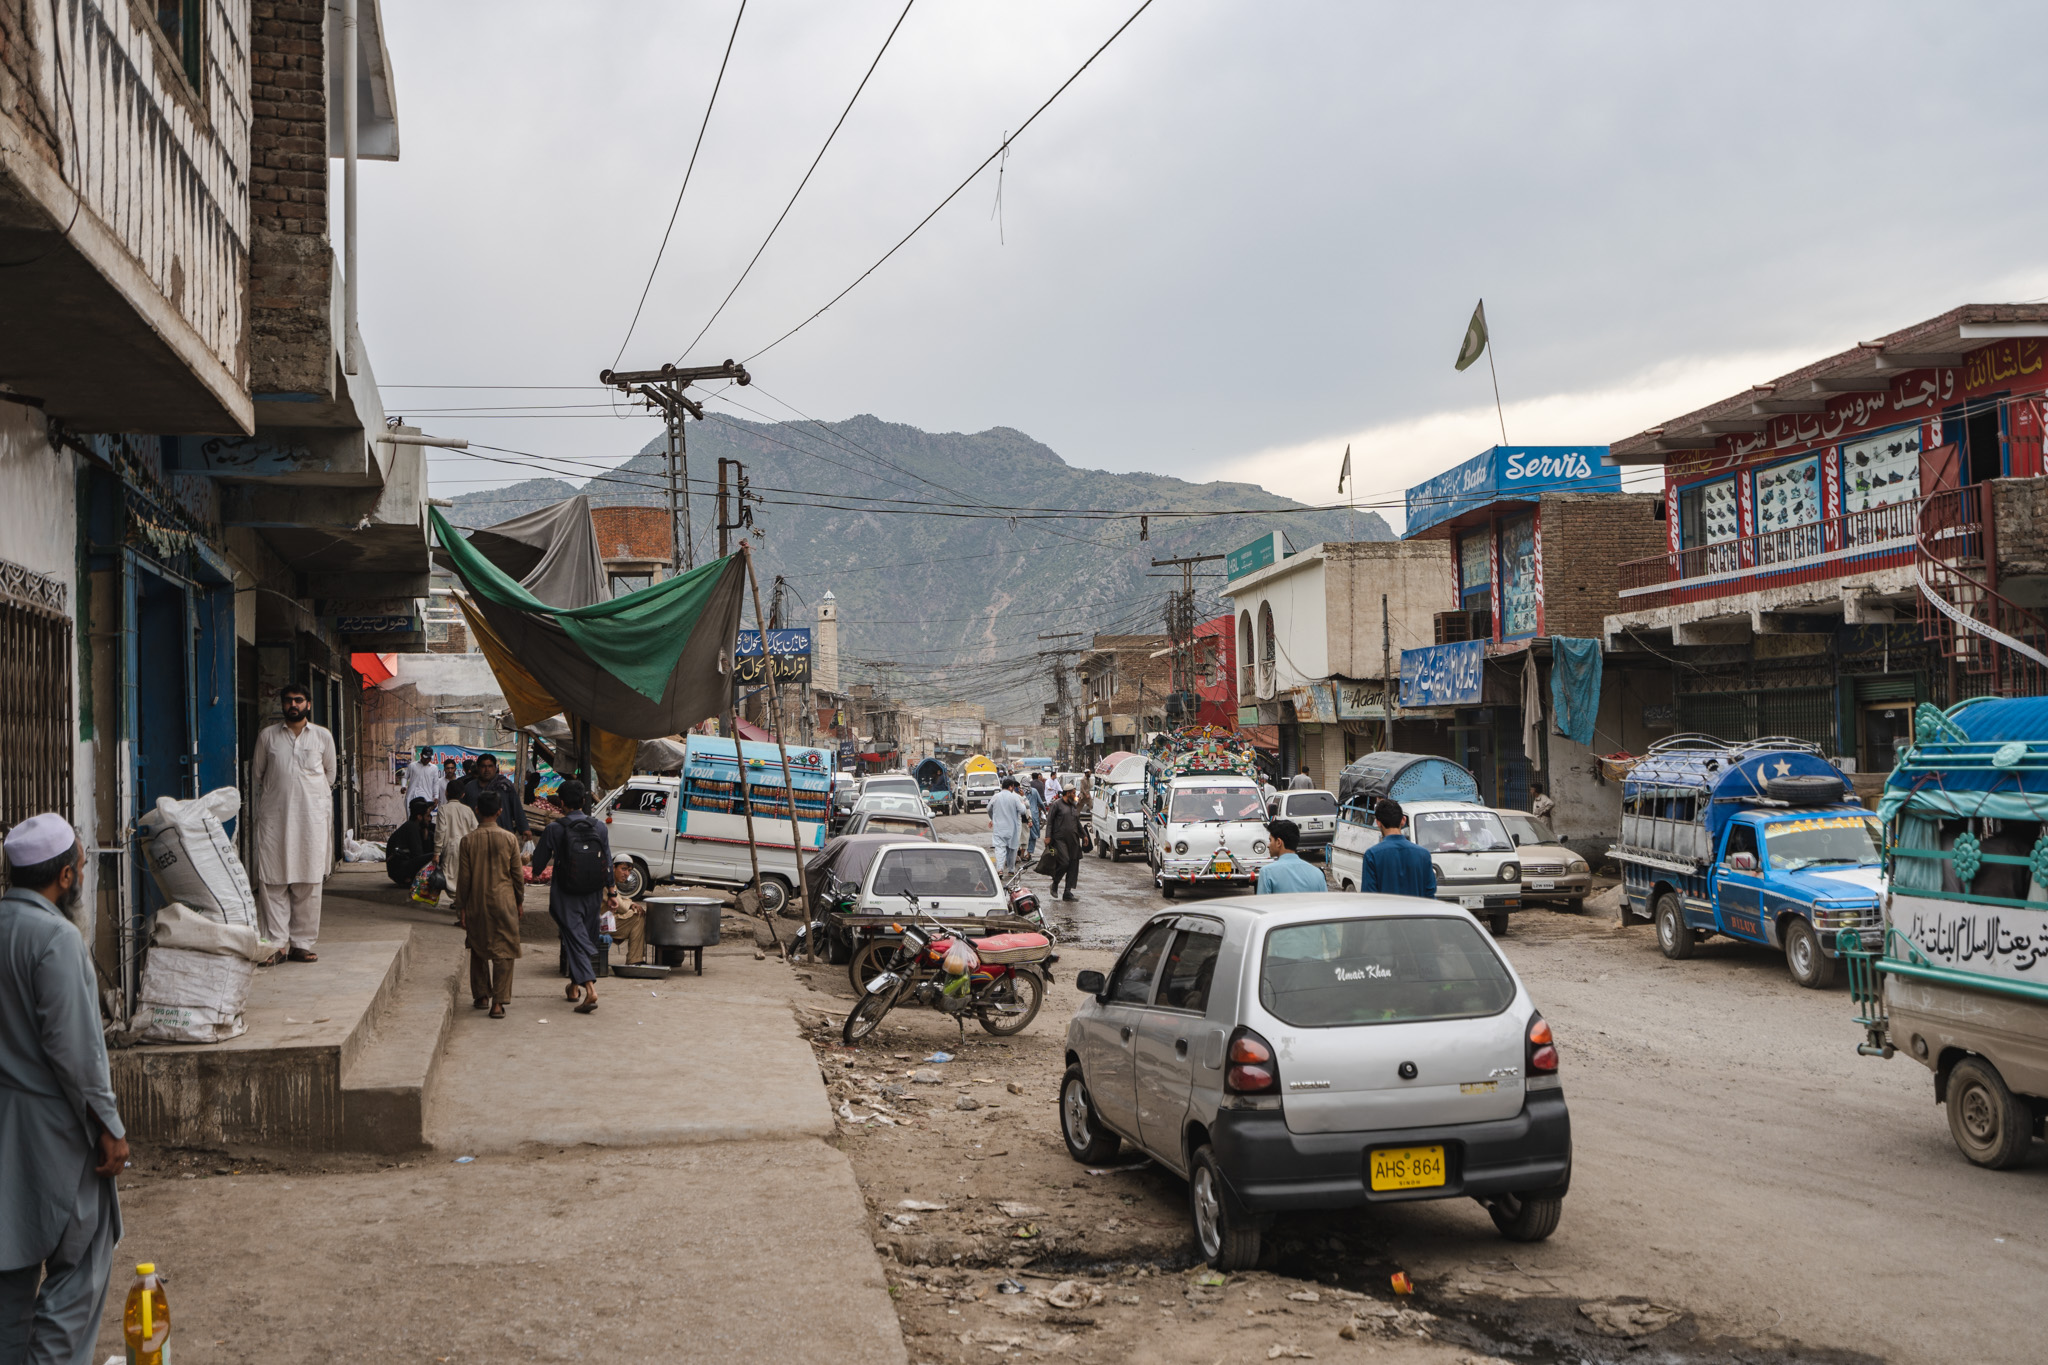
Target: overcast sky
x=1248 y=234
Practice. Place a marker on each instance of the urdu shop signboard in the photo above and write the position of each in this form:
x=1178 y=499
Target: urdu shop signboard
x=789 y=651
x=1506 y=473
x=1443 y=675
x=1262 y=553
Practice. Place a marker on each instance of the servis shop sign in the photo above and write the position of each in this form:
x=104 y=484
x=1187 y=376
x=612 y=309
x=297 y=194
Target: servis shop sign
x=1506 y=473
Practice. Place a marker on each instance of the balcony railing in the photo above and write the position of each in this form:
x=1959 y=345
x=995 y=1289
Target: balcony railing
x=1791 y=554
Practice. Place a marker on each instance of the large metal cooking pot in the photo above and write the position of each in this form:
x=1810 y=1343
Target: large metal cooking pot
x=683 y=921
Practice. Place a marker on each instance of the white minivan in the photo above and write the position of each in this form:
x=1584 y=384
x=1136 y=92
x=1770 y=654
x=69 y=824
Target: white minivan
x=1205 y=829
x=1477 y=864
x=1116 y=820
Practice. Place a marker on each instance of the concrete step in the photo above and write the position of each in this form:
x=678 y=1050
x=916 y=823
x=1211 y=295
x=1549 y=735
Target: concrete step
x=387 y=1085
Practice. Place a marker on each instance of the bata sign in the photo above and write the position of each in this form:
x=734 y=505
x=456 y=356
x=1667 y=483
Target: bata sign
x=1509 y=473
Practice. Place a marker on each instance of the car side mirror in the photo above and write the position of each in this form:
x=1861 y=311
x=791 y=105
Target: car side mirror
x=1093 y=983
x=1517 y=838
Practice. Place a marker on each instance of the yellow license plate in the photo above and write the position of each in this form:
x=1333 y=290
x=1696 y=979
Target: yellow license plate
x=1223 y=867
x=1407 y=1168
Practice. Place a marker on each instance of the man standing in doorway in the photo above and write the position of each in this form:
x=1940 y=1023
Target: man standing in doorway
x=1008 y=817
x=423 y=779
x=511 y=814
x=1540 y=804
x=1301 y=781
x=293 y=773
x=61 y=1139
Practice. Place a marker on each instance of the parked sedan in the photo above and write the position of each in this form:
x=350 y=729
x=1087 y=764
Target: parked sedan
x=1315 y=813
x=1317 y=1051
x=1551 y=873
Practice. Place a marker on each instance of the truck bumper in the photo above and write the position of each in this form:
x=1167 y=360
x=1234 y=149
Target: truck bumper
x=1272 y=1170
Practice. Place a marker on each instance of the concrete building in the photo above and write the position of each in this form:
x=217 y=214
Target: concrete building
x=1316 y=633
x=200 y=496
x=1126 y=682
x=1851 y=538
x=1535 y=535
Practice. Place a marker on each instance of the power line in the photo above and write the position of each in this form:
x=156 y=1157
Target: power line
x=709 y=105
x=800 y=184
x=992 y=156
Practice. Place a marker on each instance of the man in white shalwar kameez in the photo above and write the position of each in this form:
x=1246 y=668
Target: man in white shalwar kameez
x=293 y=773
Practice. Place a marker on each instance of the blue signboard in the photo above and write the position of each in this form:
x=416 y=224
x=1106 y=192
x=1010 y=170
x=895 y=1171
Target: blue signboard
x=781 y=643
x=1443 y=675
x=788 y=661
x=1502 y=473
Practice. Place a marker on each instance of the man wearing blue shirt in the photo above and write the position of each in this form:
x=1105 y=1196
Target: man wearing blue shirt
x=1396 y=865
x=1287 y=872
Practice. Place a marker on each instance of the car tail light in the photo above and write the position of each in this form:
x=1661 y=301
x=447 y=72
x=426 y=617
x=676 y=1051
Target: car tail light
x=1248 y=1065
x=1542 y=1055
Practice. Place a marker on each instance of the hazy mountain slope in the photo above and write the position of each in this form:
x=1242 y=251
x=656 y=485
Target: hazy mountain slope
x=921 y=587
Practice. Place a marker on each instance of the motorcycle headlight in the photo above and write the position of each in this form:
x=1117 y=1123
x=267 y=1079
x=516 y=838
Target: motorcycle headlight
x=1259 y=847
x=1181 y=847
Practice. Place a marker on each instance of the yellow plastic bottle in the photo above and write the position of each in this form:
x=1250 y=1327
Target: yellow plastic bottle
x=147 y=1322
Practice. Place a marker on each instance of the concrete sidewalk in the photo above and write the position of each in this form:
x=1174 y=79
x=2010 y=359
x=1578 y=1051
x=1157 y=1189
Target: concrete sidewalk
x=650 y=1181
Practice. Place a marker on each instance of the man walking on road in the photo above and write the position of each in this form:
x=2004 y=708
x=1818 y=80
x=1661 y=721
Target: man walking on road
x=1301 y=781
x=1063 y=834
x=581 y=850
x=423 y=779
x=1035 y=794
x=293 y=773
x=491 y=892
x=1007 y=818
x=61 y=1139
x=1287 y=872
x=1396 y=865
x=511 y=814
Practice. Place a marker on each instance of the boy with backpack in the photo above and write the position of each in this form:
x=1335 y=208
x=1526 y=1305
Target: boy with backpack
x=581 y=850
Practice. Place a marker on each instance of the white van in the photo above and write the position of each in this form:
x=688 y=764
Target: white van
x=1116 y=820
x=973 y=791
x=694 y=828
x=1206 y=829
x=1477 y=864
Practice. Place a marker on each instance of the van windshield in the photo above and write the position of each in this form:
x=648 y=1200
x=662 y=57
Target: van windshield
x=1461 y=831
x=1194 y=805
x=928 y=872
x=1130 y=801
x=1382 y=971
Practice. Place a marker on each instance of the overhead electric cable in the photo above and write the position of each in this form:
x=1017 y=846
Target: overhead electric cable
x=1008 y=139
x=709 y=105
x=800 y=184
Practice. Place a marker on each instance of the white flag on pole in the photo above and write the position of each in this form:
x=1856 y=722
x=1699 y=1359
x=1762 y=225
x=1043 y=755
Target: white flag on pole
x=1345 y=473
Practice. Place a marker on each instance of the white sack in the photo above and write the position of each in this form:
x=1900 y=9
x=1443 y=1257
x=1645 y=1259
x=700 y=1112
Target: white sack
x=185 y=1024
x=181 y=928
x=192 y=859
x=354 y=850
x=190 y=997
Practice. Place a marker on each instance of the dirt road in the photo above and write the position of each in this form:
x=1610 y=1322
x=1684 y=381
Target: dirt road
x=1737 y=1163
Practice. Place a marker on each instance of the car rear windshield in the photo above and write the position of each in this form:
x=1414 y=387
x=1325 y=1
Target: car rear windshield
x=891 y=784
x=1382 y=971
x=1311 y=803
x=927 y=872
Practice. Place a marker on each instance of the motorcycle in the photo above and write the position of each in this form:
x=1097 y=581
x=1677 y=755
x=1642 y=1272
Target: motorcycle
x=999 y=979
x=873 y=954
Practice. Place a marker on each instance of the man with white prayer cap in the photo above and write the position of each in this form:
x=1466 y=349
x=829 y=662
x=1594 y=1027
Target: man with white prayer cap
x=61 y=1139
x=293 y=772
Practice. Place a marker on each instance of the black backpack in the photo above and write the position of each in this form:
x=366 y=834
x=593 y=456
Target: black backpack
x=581 y=868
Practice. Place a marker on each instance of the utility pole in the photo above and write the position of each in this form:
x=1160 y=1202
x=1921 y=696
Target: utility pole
x=1180 y=628
x=735 y=501
x=1386 y=675
x=664 y=389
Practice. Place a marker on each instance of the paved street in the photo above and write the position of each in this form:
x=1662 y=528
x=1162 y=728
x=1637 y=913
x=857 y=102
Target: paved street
x=1735 y=1159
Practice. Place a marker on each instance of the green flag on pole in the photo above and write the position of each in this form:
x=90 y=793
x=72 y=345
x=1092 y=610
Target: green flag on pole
x=1475 y=337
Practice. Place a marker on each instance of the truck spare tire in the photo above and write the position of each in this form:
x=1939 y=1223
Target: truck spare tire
x=1805 y=791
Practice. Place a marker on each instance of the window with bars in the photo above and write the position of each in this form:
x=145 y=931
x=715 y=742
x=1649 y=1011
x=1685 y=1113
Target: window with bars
x=35 y=713
x=1753 y=713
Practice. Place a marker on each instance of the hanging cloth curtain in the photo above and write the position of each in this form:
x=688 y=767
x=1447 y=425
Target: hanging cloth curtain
x=1574 y=687
x=1532 y=712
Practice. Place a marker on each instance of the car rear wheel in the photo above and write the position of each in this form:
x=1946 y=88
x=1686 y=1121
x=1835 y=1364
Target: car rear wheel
x=1990 y=1126
x=1229 y=1239
x=1498 y=922
x=1675 y=938
x=1526 y=1218
x=637 y=881
x=1088 y=1142
x=774 y=896
x=1809 y=966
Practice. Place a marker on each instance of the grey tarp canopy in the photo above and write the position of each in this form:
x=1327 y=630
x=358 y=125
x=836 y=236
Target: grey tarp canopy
x=654 y=755
x=552 y=553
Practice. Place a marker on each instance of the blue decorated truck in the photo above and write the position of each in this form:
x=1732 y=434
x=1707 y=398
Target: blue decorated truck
x=1758 y=841
x=1957 y=976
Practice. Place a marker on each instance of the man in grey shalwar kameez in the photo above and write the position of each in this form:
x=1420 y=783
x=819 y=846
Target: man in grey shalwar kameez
x=61 y=1139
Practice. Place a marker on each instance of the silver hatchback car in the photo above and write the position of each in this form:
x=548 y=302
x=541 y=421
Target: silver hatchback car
x=1319 y=1051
